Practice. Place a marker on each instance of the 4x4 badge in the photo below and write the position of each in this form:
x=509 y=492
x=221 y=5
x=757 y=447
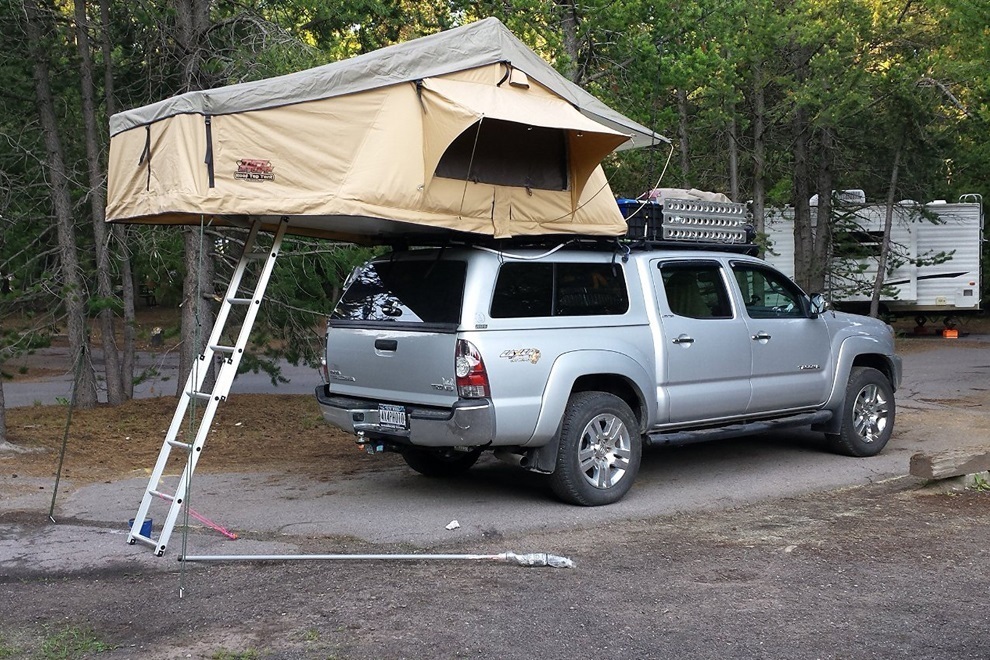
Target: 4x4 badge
x=531 y=355
x=445 y=385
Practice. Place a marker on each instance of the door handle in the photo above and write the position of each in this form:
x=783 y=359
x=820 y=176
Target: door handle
x=386 y=344
x=761 y=336
x=683 y=339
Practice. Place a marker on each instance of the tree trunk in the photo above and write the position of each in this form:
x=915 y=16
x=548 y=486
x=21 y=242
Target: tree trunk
x=193 y=20
x=733 y=155
x=569 y=28
x=107 y=48
x=803 y=232
x=73 y=289
x=3 y=417
x=888 y=222
x=197 y=307
x=120 y=238
x=759 y=150
x=822 y=241
x=112 y=368
x=682 y=137
x=118 y=233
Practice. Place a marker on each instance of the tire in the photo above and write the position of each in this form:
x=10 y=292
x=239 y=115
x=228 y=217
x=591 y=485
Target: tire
x=867 y=414
x=440 y=462
x=600 y=450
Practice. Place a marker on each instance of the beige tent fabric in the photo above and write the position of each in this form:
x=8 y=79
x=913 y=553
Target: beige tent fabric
x=359 y=166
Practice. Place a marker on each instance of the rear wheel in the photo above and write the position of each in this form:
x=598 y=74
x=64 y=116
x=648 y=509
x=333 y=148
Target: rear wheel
x=600 y=450
x=440 y=462
x=867 y=414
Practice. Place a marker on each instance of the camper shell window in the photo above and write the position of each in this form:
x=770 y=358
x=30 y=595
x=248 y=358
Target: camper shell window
x=505 y=153
x=404 y=292
x=527 y=290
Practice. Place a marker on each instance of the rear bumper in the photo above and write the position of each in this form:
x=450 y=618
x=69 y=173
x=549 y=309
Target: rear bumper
x=469 y=423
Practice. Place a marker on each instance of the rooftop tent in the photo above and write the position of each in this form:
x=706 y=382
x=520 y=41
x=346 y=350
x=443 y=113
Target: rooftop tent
x=465 y=130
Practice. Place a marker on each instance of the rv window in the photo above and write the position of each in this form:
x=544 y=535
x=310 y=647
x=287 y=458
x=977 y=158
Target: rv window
x=505 y=153
x=857 y=244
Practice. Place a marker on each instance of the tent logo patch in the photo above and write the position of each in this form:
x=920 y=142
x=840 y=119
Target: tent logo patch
x=255 y=169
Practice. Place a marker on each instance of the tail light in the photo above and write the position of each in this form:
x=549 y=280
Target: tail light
x=472 y=378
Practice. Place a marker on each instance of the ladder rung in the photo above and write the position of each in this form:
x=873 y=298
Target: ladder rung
x=202 y=396
x=257 y=256
x=240 y=301
x=179 y=445
x=164 y=496
x=229 y=350
x=144 y=539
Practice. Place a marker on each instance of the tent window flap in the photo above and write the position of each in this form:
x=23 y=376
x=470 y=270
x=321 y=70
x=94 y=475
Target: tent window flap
x=507 y=153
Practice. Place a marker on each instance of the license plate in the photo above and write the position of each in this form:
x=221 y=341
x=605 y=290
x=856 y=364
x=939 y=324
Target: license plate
x=392 y=416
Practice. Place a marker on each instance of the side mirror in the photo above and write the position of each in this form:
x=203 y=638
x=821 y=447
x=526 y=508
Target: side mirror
x=818 y=305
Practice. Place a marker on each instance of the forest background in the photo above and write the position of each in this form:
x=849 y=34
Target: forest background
x=768 y=101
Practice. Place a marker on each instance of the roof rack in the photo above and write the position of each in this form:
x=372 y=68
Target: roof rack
x=748 y=248
x=671 y=224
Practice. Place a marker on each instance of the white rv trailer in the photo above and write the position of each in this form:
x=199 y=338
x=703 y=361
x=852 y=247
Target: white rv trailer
x=921 y=283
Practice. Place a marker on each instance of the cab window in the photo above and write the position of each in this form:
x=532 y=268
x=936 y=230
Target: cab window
x=696 y=290
x=768 y=294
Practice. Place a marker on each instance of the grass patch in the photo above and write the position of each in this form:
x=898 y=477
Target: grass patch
x=224 y=654
x=70 y=642
x=8 y=649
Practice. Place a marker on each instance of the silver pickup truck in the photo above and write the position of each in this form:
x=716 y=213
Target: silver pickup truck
x=570 y=360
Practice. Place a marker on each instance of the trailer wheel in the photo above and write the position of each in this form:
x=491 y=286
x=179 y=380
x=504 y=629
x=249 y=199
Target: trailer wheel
x=867 y=414
x=440 y=462
x=600 y=450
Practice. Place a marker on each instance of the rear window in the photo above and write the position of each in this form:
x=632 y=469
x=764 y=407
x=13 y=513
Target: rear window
x=525 y=290
x=422 y=291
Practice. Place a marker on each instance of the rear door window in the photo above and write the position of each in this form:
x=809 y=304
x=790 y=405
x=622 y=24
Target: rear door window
x=525 y=290
x=696 y=290
x=404 y=292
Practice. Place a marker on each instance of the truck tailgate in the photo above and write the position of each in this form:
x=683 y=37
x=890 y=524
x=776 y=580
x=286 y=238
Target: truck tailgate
x=392 y=365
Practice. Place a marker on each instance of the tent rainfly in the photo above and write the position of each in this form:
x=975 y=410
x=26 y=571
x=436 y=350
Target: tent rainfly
x=466 y=130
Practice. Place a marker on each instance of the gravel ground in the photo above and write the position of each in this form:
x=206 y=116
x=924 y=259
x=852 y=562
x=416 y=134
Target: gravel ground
x=887 y=571
x=892 y=569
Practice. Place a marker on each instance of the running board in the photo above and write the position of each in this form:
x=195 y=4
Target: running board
x=683 y=437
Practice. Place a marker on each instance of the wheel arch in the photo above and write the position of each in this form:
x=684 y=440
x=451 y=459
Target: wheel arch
x=586 y=371
x=856 y=352
x=620 y=386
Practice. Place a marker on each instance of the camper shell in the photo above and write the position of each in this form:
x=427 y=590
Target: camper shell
x=935 y=262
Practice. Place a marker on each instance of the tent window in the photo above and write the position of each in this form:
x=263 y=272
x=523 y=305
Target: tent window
x=508 y=154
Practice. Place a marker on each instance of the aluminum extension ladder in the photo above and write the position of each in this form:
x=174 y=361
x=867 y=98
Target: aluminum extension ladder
x=231 y=357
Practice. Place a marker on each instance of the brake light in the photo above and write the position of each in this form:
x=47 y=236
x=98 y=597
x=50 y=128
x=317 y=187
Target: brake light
x=472 y=378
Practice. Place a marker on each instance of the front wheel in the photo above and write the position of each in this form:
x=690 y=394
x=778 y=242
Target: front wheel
x=440 y=462
x=867 y=414
x=600 y=450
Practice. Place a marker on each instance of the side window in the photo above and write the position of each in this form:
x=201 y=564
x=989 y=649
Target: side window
x=696 y=290
x=767 y=293
x=525 y=290
x=590 y=290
